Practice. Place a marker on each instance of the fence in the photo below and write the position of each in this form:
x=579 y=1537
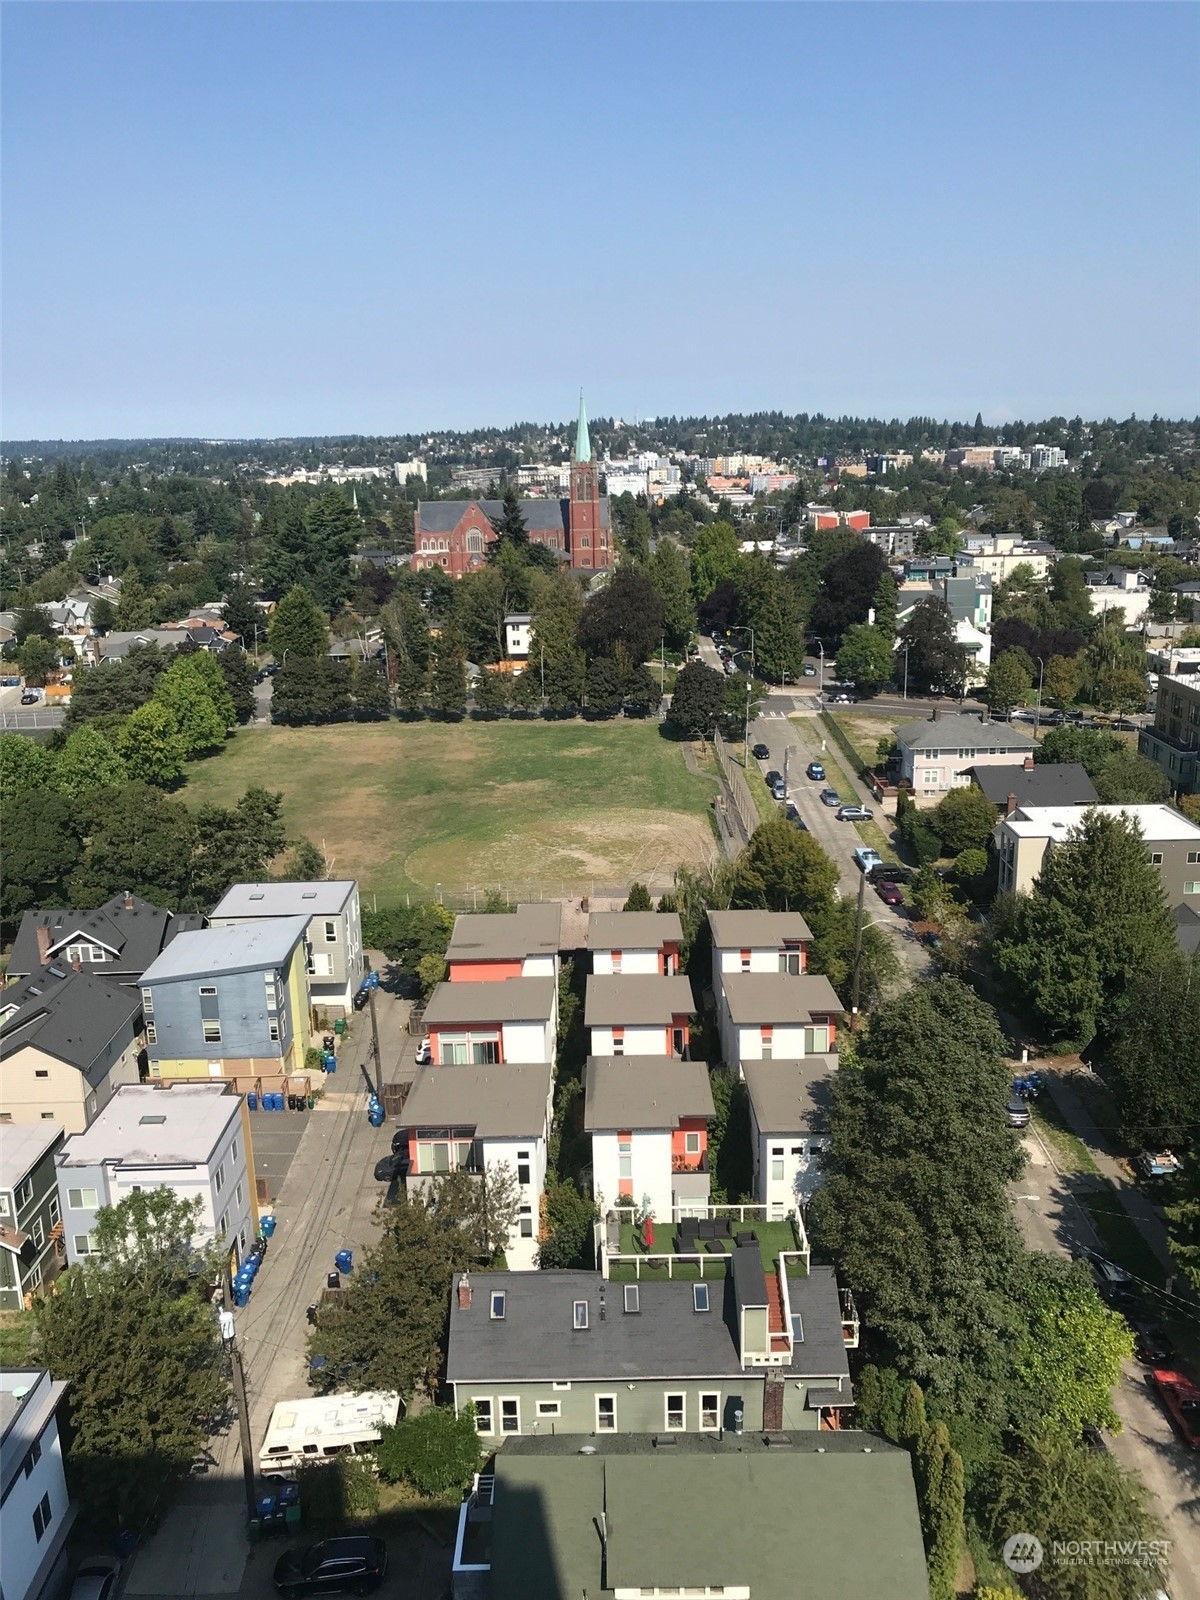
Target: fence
x=476 y=896
x=739 y=789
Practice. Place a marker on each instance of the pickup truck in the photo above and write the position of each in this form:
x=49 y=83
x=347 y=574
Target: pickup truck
x=866 y=858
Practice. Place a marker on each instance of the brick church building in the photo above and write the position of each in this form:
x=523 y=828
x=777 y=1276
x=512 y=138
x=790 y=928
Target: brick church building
x=457 y=534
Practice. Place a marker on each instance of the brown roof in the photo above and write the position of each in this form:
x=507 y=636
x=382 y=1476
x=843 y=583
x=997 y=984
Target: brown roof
x=778 y=997
x=507 y=936
x=644 y=1092
x=511 y=1000
x=497 y=1101
x=790 y=1096
x=756 y=930
x=636 y=999
x=633 y=930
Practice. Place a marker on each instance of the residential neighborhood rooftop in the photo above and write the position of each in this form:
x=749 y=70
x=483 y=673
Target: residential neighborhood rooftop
x=1159 y=824
x=790 y=1096
x=750 y=930
x=129 y=929
x=244 y=947
x=633 y=930
x=145 y=1125
x=324 y=898
x=644 y=1092
x=778 y=997
x=499 y=1102
x=70 y=1015
x=1187 y=930
x=507 y=935
x=636 y=1000
x=511 y=1000
x=1062 y=783
x=962 y=731
x=22 y=1146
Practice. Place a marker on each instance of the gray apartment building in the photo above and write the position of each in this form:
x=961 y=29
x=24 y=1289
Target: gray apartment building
x=335 y=947
x=1172 y=845
x=29 y=1210
x=1173 y=741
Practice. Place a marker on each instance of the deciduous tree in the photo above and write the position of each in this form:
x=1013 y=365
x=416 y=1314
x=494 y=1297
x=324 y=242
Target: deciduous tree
x=964 y=819
x=865 y=658
x=669 y=572
x=627 y=613
x=716 y=557
x=1008 y=683
x=1152 y=1062
x=698 y=699
x=87 y=762
x=184 y=689
x=784 y=869
x=935 y=657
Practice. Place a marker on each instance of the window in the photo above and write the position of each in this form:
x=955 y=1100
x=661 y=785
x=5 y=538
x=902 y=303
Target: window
x=745 y=962
x=816 y=1041
x=83 y=1244
x=24 y=1193
x=549 y=1408
x=616 y=961
x=5 y=1211
x=691 y=1144
x=632 y=1298
x=526 y=1220
x=238 y=1195
x=624 y=1158
x=148 y=1002
x=151 y=1033
x=522 y=1171
x=710 y=1411
x=82 y=1199
x=699 y=1297
x=55 y=1209
x=510 y=1416
x=1192 y=887
x=219 y=1178
x=618 y=1042
x=233 y=1149
x=561 y=1388
x=42 y=1517
x=38 y=1232
x=41 y=1072
x=777 y=1170
x=1156 y=858
x=33 y=1457
x=606 y=1413
x=1193 y=857
x=211 y=1031
x=474 y=542
x=208 y=988
x=767 y=1041
x=485 y=1052
x=273 y=1030
x=498 y=1303
x=789 y=961
x=580 y=1314
x=223 y=1225
x=483 y=1415
x=330 y=932
x=676 y=1413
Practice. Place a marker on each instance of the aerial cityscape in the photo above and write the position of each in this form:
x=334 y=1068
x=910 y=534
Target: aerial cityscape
x=560 y=977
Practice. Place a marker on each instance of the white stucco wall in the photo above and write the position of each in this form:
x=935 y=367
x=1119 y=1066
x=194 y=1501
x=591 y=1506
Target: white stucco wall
x=632 y=961
x=526 y=1042
x=521 y=1251
x=651 y=1168
x=654 y=1041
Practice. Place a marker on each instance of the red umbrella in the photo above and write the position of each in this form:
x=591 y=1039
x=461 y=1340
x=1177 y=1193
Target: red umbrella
x=648 y=1232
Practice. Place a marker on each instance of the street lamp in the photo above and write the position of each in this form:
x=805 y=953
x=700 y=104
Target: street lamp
x=1037 y=715
x=741 y=627
x=821 y=678
x=907 y=648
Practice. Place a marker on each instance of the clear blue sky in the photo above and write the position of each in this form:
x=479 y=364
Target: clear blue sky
x=270 y=219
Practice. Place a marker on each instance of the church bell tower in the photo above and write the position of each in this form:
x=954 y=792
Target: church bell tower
x=588 y=535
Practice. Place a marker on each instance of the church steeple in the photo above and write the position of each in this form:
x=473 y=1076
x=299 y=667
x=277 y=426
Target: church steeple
x=583 y=444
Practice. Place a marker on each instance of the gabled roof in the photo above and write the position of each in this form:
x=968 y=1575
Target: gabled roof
x=643 y=1092
x=756 y=930
x=633 y=930
x=326 y=898
x=778 y=997
x=636 y=1000
x=963 y=732
x=238 y=947
x=512 y=1000
x=73 y=1017
x=790 y=1096
x=507 y=936
x=542 y=515
x=127 y=925
x=499 y=1102
x=1056 y=783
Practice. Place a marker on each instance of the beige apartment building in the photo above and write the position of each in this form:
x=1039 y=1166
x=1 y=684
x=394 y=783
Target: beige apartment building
x=1172 y=843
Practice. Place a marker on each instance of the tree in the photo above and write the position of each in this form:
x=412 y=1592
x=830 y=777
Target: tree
x=1152 y=1063
x=484 y=1208
x=784 y=869
x=1091 y=748
x=136 y=839
x=604 y=687
x=719 y=611
x=236 y=845
x=555 y=658
x=406 y=629
x=24 y=764
x=716 y=558
x=1095 y=919
x=241 y=613
x=1131 y=779
x=134 y=608
x=944 y=539
x=935 y=657
x=1069 y=1360
x=37 y=658
x=406 y=933
x=964 y=820
x=493 y=691
x=185 y=691
x=238 y=677
x=847 y=591
x=643 y=691
x=510 y=524
x=638 y=898
x=928 y=894
x=865 y=658
x=1008 y=683
x=1060 y=682
x=388 y=1333
x=923 y=1233
x=437 y=1451
x=885 y=603
x=370 y=690
x=1120 y=689
x=942 y=1495
x=669 y=572
x=303 y=863
x=768 y=603
x=835 y=936
x=86 y=762
x=627 y=613
x=449 y=692
x=104 y=616
x=310 y=546
x=298 y=626
x=41 y=850
x=698 y=699
x=410 y=684
x=566 y=1233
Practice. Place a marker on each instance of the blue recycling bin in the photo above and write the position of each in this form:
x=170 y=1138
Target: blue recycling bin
x=375 y=1116
x=330 y=1061
x=241 y=1295
x=344 y=1261
x=252 y=1101
x=268 y=1504
x=267 y=1224
x=289 y=1494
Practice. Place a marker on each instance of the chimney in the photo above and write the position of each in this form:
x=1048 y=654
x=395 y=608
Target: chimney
x=43 y=943
x=1028 y=763
x=986 y=714
x=128 y=901
x=1010 y=805
x=464 y=1293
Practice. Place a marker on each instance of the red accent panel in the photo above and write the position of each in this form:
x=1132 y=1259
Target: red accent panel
x=484 y=971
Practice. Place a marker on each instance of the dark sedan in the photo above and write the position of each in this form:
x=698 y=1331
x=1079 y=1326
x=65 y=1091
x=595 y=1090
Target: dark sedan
x=1150 y=1344
x=354 y=1564
x=761 y=753
x=889 y=893
x=390 y=1169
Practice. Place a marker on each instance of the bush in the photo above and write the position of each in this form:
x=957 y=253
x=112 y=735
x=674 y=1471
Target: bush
x=338 y=1491
x=437 y=1452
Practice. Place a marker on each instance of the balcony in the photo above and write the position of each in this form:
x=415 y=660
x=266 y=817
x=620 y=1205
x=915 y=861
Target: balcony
x=625 y=1258
x=690 y=1163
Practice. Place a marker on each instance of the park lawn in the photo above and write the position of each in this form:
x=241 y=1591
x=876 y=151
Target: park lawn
x=553 y=808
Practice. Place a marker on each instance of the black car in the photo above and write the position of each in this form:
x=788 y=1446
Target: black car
x=29 y=698
x=761 y=753
x=389 y=1169
x=884 y=872
x=353 y=1564
x=1150 y=1344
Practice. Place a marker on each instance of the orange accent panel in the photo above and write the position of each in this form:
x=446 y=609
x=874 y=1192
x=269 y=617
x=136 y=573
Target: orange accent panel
x=678 y=1139
x=625 y=1188
x=484 y=971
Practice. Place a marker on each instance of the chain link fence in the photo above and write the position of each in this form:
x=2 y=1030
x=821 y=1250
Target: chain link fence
x=739 y=789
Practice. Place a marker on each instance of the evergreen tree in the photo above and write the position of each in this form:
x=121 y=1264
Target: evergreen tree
x=865 y=658
x=370 y=690
x=935 y=658
x=448 y=695
x=638 y=898
x=604 y=687
x=37 y=658
x=886 y=603
x=669 y=573
x=698 y=700
x=406 y=629
x=768 y=604
x=510 y=525
x=940 y=1475
x=239 y=681
x=493 y=691
x=241 y=614
x=410 y=682
x=135 y=608
x=298 y=626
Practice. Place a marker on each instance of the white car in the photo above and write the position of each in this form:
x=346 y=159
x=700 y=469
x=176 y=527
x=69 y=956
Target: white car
x=424 y=1052
x=95 y=1580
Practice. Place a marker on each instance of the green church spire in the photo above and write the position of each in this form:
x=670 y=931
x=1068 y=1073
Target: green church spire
x=583 y=444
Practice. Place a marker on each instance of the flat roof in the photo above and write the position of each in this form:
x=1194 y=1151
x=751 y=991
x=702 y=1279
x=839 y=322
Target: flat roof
x=633 y=930
x=756 y=930
x=507 y=935
x=128 y=1132
x=237 y=947
x=499 y=1102
x=790 y=1096
x=778 y=997
x=22 y=1146
x=644 y=1092
x=1159 y=824
x=509 y=1000
x=325 y=898
x=636 y=999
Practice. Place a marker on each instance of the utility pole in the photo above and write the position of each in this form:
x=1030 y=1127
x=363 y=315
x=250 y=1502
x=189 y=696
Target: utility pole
x=1037 y=715
x=243 y=1411
x=787 y=761
x=858 y=934
x=375 y=1044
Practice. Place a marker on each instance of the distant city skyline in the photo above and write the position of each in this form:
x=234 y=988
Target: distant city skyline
x=279 y=221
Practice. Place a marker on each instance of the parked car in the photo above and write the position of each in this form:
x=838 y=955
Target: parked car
x=816 y=772
x=30 y=697
x=1090 y=1435
x=854 y=814
x=389 y=1168
x=1150 y=1344
x=1115 y=1286
x=791 y=813
x=1181 y=1401
x=885 y=872
x=773 y=777
x=95 y=1580
x=841 y=699
x=351 y=1564
x=830 y=797
x=424 y=1052
x=889 y=893
x=1158 y=1164
x=1016 y=1113
x=271 y=668
x=760 y=752
x=865 y=857
x=809 y=670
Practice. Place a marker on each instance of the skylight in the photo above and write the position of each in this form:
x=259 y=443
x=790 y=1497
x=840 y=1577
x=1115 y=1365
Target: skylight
x=309 y=894
x=632 y=1297
x=581 y=1314
x=498 y=1301
x=156 y=1116
x=258 y=897
x=699 y=1297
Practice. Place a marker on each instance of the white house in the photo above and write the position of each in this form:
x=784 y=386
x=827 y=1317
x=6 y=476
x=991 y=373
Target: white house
x=648 y=1118
x=480 y=1024
x=937 y=753
x=335 y=959
x=640 y=1015
x=788 y=1128
x=522 y=943
x=193 y=1138
x=754 y=941
x=624 y=942
x=518 y=631
x=35 y=1510
x=476 y=1118
x=773 y=1016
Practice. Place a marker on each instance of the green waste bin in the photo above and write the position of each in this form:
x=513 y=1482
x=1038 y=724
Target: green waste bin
x=339 y=1026
x=291 y=1516
x=255 y=1530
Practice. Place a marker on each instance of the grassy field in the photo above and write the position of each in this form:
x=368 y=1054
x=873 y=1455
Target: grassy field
x=403 y=807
